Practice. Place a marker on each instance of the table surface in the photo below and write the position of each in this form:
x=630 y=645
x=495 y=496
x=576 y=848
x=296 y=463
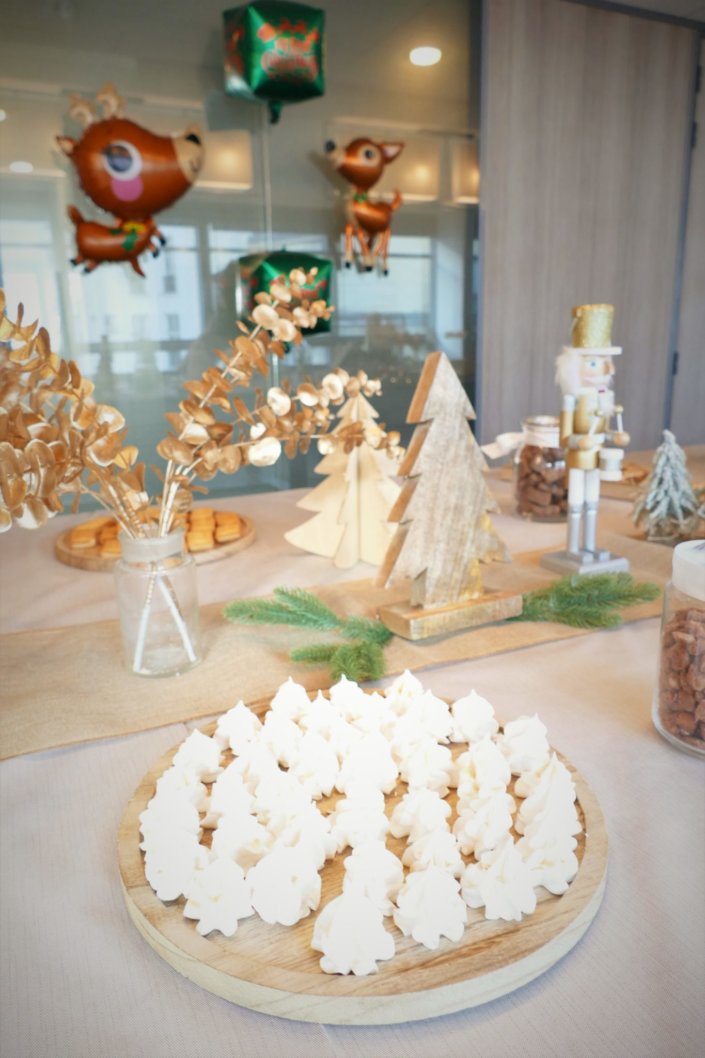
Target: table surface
x=78 y=981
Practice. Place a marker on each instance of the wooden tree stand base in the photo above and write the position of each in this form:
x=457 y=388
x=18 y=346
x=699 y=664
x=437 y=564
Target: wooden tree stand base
x=415 y=622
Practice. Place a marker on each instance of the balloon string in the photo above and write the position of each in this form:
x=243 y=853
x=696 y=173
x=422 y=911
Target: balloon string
x=268 y=236
x=267 y=174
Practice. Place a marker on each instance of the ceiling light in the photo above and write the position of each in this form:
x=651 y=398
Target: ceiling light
x=21 y=167
x=3 y=114
x=425 y=56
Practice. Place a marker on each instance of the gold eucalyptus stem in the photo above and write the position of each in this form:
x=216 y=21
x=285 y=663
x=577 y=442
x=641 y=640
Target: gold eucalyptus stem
x=170 y=486
x=114 y=508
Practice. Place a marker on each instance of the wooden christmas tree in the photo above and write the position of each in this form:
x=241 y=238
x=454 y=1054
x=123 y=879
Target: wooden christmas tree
x=443 y=510
x=353 y=503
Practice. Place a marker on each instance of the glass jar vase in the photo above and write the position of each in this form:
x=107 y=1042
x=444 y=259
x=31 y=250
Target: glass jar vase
x=678 y=709
x=157 y=598
x=540 y=475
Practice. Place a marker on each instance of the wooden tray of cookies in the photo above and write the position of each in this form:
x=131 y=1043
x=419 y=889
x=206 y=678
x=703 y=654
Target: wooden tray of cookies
x=100 y=555
x=273 y=969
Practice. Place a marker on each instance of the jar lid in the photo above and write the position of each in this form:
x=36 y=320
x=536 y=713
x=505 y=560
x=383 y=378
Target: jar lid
x=689 y=568
x=541 y=430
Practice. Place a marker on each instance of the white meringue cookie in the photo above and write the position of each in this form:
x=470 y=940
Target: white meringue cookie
x=402 y=691
x=481 y=769
x=501 y=883
x=218 y=898
x=315 y=765
x=278 y=799
x=176 y=782
x=199 y=755
x=354 y=823
x=228 y=794
x=375 y=871
x=524 y=744
x=348 y=699
x=319 y=716
x=169 y=812
x=285 y=886
x=552 y=772
x=418 y=812
x=473 y=718
x=484 y=822
x=311 y=832
x=237 y=727
x=290 y=701
x=281 y=736
x=436 y=848
x=429 y=906
x=256 y=762
x=170 y=867
x=428 y=766
x=240 y=837
x=369 y=759
x=351 y=934
x=552 y=866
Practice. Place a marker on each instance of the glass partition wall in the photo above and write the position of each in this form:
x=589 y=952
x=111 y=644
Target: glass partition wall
x=139 y=339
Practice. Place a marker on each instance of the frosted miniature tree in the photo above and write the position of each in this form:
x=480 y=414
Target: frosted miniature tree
x=353 y=503
x=444 y=528
x=667 y=506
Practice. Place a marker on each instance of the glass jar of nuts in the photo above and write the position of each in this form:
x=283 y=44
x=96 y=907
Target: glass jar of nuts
x=541 y=484
x=678 y=709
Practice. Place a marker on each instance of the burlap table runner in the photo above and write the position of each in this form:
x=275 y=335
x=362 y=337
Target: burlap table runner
x=66 y=685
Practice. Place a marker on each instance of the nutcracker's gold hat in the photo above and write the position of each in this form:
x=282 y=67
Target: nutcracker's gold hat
x=591 y=330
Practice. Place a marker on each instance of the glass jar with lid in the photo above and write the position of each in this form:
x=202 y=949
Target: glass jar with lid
x=678 y=708
x=540 y=475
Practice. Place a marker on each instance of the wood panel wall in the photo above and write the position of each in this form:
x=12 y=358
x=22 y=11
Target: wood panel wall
x=585 y=118
x=688 y=412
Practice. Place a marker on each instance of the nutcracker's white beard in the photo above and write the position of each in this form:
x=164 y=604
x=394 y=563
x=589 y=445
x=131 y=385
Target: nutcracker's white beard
x=568 y=378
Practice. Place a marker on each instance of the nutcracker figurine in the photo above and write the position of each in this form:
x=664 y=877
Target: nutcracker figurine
x=594 y=449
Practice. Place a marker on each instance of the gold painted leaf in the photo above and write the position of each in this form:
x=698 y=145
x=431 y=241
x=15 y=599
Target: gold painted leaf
x=126 y=456
x=197 y=411
x=220 y=432
x=247 y=348
x=170 y=448
x=242 y=410
x=229 y=459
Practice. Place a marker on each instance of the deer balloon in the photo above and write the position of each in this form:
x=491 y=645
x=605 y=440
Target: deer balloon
x=362 y=163
x=129 y=172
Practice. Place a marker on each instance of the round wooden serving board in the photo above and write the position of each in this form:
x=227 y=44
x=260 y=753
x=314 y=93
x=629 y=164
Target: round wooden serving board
x=273 y=969
x=91 y=559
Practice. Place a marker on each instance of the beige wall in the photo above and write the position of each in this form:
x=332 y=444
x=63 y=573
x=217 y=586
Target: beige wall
x=585 y=117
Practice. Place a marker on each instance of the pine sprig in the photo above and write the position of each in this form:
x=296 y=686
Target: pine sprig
x=314 y=655
x=358 y=661
x=290 y=606
x=367 y=629
x=589 y=601
x=360 y=658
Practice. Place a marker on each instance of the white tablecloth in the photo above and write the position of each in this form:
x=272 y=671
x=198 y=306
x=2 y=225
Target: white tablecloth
x=78 y=981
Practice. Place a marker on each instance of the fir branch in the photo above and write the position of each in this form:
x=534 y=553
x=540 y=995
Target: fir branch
x=313 y=612
x=360 y=658
x=590 y=601
x=358 y=661
x=262 y=611
x=314 y=655
x=366 y=628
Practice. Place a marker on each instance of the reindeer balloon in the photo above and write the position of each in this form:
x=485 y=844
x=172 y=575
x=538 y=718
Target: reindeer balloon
x=362 y=163
x=129 y=172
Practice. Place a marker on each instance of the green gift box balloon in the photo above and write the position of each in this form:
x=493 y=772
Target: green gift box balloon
x=274 y=52
x=259 y=270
